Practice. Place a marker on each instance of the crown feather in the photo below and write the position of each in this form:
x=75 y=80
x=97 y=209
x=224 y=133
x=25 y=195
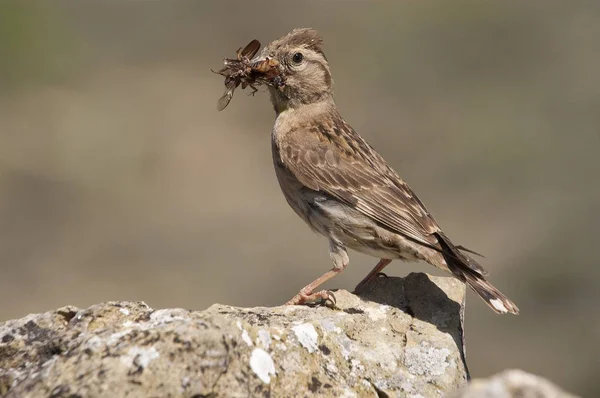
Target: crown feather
x=301 y=37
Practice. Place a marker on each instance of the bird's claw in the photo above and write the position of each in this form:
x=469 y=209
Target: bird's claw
x=324 y=297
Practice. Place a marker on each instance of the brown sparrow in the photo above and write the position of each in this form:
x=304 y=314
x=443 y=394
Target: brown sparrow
x=341 y=187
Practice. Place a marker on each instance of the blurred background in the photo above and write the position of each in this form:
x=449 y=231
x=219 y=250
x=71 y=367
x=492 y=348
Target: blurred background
x=119 y=180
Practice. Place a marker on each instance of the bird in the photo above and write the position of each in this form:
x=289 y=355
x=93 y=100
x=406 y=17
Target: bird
x=342 y=187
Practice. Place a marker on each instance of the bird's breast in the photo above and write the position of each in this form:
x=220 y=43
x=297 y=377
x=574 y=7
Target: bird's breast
x=300 y=198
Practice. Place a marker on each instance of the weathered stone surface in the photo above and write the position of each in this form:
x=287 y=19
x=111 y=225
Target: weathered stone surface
x=512 y=383
x=401 y=337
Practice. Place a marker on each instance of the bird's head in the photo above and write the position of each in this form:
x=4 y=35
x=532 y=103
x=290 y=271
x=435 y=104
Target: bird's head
x=303 y=76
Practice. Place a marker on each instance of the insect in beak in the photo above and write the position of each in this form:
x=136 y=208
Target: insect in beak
x=270 y=70
x=265 y=65
x=248 y=71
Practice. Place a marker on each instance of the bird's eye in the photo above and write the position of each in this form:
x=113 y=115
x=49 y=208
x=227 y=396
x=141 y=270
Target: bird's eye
x=297 y=58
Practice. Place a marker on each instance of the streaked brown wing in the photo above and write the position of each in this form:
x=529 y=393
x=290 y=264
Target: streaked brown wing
x=342 y=164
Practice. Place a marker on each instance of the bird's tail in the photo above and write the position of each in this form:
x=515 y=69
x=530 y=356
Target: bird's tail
x=461 y=267
x=492 y=296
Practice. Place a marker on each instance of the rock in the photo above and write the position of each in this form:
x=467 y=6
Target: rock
x=512 y=383
x=401 y=337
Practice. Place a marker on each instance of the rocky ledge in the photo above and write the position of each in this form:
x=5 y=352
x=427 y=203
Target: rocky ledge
x=400 y=337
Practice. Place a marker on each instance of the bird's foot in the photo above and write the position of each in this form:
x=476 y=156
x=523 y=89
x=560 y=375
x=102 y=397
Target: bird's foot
x=323 y=297
x=375 y=273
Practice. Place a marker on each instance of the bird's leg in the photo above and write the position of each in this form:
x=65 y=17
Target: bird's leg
x=307 y=294
x=337 y=252
x=378 y=268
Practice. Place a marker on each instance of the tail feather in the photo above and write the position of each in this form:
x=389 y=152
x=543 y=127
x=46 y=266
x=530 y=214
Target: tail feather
x=460 y=266
x=492 y=296
x=457 y=252
x=464 y=249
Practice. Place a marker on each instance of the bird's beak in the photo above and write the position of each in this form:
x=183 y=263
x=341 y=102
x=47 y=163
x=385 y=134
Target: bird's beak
x=269 y=70
x=264 y=64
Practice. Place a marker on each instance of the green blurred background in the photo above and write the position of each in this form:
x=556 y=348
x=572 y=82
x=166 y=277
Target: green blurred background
x=119 y=180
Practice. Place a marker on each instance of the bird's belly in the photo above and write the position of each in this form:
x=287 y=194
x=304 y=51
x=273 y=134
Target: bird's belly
x=360 y=233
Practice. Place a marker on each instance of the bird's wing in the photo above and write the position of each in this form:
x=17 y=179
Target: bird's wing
x=332 y=158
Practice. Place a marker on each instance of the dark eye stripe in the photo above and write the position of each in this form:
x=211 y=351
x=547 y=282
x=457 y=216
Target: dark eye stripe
x=312 y=60
x=325 y=73
x=319 y=51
